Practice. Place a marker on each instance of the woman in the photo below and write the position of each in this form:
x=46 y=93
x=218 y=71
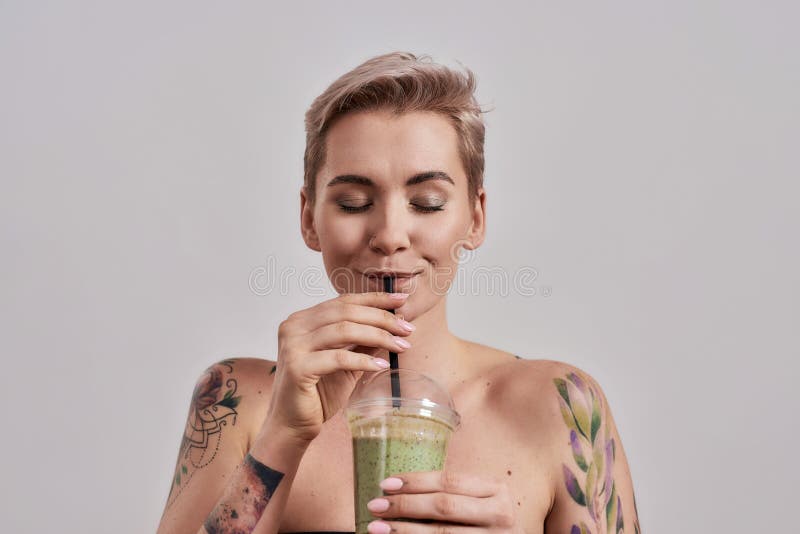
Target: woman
x=393 y=186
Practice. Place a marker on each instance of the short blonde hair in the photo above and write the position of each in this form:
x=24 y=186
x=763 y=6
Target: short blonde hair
x=399 y=82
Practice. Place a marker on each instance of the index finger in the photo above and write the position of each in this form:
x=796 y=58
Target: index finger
x=440 y=481
x=375 y=298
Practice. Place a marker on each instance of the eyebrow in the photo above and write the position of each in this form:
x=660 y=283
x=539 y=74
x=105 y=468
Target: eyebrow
x=414 y=180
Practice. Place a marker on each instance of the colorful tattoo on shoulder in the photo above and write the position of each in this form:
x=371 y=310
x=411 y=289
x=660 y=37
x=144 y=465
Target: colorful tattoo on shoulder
x=241 y=511
x=591 y=484
x=213 y=406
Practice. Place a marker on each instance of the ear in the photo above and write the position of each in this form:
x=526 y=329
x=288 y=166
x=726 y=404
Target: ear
x=477 y=228
x=307 y=222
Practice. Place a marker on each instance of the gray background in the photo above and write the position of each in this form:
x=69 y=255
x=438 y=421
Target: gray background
x=639 y=158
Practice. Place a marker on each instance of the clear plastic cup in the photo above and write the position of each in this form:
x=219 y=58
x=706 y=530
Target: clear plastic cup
x=393 y=435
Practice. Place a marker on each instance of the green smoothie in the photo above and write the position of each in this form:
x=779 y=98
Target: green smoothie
x=392 y=444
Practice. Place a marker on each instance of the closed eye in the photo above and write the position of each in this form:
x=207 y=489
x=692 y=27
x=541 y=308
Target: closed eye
x=365 y=207
x=354 y=209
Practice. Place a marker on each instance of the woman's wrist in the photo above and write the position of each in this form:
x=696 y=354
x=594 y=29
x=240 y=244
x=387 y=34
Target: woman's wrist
x=278 y=446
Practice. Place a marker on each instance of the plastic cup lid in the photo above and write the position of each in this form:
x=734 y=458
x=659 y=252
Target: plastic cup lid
x=417 y=391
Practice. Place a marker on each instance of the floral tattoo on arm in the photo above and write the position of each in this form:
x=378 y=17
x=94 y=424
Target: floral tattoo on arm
x=213 y=406
x=591 y=484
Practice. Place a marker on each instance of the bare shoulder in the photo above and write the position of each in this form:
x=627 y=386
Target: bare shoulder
x=530 y=373
x=526 y=381
x=251 y=380
x=252 y=372
x=567 y=417
x=536 y=394
x=230 y=396
x=244 y=378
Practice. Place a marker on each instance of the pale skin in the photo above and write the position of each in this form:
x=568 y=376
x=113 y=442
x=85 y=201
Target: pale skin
x=505 y=467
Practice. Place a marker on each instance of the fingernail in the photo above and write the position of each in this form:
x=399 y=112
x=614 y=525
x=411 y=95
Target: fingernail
x=398 y=296
x=392 y=484
x=378 y=505
x=401 y=342
x=379 y=527
x=383 y=364
x=405 y=325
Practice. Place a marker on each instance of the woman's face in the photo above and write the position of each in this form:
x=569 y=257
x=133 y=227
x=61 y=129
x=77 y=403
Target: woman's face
x=392 y=195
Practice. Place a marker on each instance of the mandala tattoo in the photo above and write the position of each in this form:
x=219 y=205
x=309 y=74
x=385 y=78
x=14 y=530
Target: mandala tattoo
x=594 y=453
x=211 y=410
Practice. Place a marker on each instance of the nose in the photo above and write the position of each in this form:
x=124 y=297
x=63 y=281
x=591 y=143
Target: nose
x=390 y=232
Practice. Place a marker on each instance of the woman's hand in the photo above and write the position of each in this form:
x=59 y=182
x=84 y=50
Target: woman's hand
x=317 y=366
x=455 y=503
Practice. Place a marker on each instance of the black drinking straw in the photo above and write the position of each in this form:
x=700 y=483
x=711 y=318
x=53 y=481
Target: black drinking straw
x=388 y=287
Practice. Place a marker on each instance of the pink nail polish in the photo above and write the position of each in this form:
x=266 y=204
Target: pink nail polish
x=378 y=505
x=379 y=527
x=383 y=364
x=405 y=325
x=402 y=342
x=392 y=484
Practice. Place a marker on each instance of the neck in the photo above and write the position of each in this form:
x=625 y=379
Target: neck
x=435 y=351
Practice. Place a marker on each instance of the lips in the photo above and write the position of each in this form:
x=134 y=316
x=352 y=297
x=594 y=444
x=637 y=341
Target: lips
x=395 y=274
x=403 y=280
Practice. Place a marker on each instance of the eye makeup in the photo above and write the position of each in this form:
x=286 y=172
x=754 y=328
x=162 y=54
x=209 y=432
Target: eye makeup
x=428 y=207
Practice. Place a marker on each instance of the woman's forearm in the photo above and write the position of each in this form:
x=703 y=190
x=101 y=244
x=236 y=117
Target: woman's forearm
x=259 y=487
